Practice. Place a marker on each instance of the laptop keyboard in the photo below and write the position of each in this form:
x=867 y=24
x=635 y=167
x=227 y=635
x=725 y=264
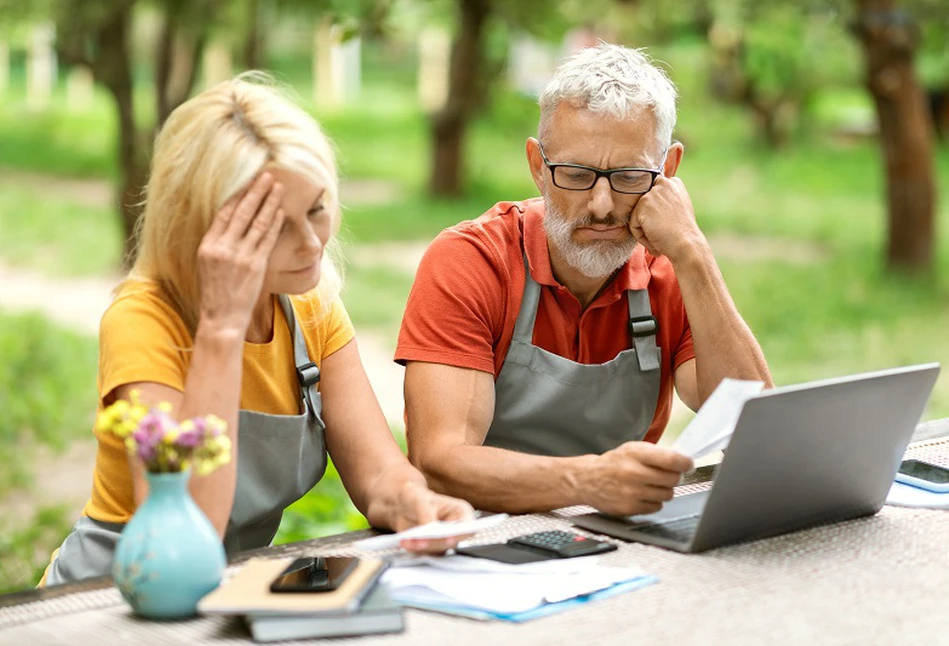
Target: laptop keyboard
x=681 y=529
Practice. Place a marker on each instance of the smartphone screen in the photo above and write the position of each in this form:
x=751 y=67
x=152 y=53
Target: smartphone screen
x=925 y=471
x=314 y=574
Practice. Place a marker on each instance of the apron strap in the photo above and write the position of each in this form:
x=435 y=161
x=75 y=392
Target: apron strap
x=642 y=329
x=524 y=327
x=307 y=371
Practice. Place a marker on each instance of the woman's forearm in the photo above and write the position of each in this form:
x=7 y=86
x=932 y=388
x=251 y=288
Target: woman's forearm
x=382 y=504
x=213 y=386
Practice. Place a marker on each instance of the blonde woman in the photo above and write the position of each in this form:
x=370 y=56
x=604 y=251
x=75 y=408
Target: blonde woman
x=240 y=212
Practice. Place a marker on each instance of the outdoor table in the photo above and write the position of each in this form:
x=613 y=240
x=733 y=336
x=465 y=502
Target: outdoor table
x=882 y=579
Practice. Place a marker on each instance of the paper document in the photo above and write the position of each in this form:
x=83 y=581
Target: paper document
x=904 y=495
x=713 y=425
x=437 y=529
x=466 y=564
x=544 y=610
x=456 y=582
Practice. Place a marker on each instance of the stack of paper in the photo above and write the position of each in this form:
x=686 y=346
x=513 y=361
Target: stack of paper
x=486 y=589
x=712 y=427
x=904 y=495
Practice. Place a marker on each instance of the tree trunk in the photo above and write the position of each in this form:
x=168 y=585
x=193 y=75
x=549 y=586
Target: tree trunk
x=434 y=60
x=768 y=119
x=176 y=65
x=115 y=72
x=99 y=40
x=888 y=38
x=4 y=66
x=41 y=66
x=449 y=125
x=253 y=37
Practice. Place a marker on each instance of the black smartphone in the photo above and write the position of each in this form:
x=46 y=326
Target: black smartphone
x=314 y=574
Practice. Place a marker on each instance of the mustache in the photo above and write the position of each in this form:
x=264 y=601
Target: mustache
x=590 y=220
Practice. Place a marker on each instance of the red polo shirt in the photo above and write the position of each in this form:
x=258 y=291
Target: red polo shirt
x=468 y=290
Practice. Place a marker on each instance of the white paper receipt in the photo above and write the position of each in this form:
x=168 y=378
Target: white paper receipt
x=713 y=425
x=438 y=529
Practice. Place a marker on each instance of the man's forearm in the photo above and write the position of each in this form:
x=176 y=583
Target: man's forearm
x=506 y=481
x=724 y=344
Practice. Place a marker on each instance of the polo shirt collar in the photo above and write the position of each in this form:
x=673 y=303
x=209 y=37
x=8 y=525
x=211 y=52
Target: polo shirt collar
x=633 y=275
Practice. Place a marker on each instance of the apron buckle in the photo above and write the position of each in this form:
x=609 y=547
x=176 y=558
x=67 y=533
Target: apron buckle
x=308 y=374
x=640 y=326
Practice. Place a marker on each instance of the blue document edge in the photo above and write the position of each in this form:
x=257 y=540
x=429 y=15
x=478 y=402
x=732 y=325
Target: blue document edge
x=540 y=611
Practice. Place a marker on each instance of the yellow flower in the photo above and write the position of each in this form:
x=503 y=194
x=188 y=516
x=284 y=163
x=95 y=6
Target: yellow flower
x=203 y=467
x=136 y=413
x=104 y=421
x=215 y=424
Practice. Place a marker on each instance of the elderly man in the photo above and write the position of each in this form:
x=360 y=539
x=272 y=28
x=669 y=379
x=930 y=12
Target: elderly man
x=543 y=339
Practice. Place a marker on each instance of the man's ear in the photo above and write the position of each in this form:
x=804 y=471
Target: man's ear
x=536 y=163
x=673 y=159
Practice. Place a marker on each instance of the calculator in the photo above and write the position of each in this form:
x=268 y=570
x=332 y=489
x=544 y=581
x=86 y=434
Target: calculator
x=561 y=544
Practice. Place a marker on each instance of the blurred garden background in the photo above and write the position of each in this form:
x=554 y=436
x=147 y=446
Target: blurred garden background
x=815 y=137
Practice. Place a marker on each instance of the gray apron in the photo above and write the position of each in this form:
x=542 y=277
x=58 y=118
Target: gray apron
x=546 y=404
x=279 y=459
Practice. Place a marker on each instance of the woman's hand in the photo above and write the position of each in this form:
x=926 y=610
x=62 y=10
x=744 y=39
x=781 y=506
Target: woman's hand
x=234 y=254
x=418 y=505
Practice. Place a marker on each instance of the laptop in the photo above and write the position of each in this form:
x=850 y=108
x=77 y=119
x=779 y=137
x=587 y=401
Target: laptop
x=803 y=455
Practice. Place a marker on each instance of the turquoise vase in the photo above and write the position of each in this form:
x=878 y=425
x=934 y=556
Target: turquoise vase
x=169 y=555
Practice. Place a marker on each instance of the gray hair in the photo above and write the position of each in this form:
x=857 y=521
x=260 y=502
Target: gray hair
x=615 y=80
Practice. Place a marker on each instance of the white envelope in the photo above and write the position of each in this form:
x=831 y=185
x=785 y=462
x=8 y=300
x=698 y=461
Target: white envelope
x=713 y=425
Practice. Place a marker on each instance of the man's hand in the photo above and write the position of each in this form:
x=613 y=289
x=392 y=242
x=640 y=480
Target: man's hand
x=663 y=220
x=633 y=478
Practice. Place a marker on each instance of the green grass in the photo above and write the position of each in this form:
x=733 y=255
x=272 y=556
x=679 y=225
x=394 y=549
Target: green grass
x=326 y=509
x=24 y=552
x=59 y=140
x=47 y=396
x=47 y=390
x=374 y=294
x=842 y=316
x=46 y=231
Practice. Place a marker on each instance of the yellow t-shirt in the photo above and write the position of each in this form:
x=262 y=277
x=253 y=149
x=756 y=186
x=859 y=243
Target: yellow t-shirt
x=142 y=338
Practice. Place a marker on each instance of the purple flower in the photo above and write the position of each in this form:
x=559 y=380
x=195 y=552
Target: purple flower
x=192 y=433
x=150 y=433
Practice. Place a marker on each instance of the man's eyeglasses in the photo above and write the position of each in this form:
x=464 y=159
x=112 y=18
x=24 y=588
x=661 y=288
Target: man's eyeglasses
x=574 y=177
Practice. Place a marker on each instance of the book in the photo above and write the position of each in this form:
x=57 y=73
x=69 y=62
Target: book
x=378 y=614
x=248 y=591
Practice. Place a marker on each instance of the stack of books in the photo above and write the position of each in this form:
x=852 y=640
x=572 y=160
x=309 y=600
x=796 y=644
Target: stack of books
x=360 y=606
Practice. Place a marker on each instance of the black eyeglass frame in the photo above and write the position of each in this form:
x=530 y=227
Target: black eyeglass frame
x=598 y=173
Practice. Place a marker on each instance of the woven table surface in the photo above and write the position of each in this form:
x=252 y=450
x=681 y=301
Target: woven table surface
x=883 y=579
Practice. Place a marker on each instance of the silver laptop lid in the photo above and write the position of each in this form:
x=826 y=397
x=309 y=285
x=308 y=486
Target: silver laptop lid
x=813 y=453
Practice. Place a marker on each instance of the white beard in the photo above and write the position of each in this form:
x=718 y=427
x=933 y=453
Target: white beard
x=596 y=259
